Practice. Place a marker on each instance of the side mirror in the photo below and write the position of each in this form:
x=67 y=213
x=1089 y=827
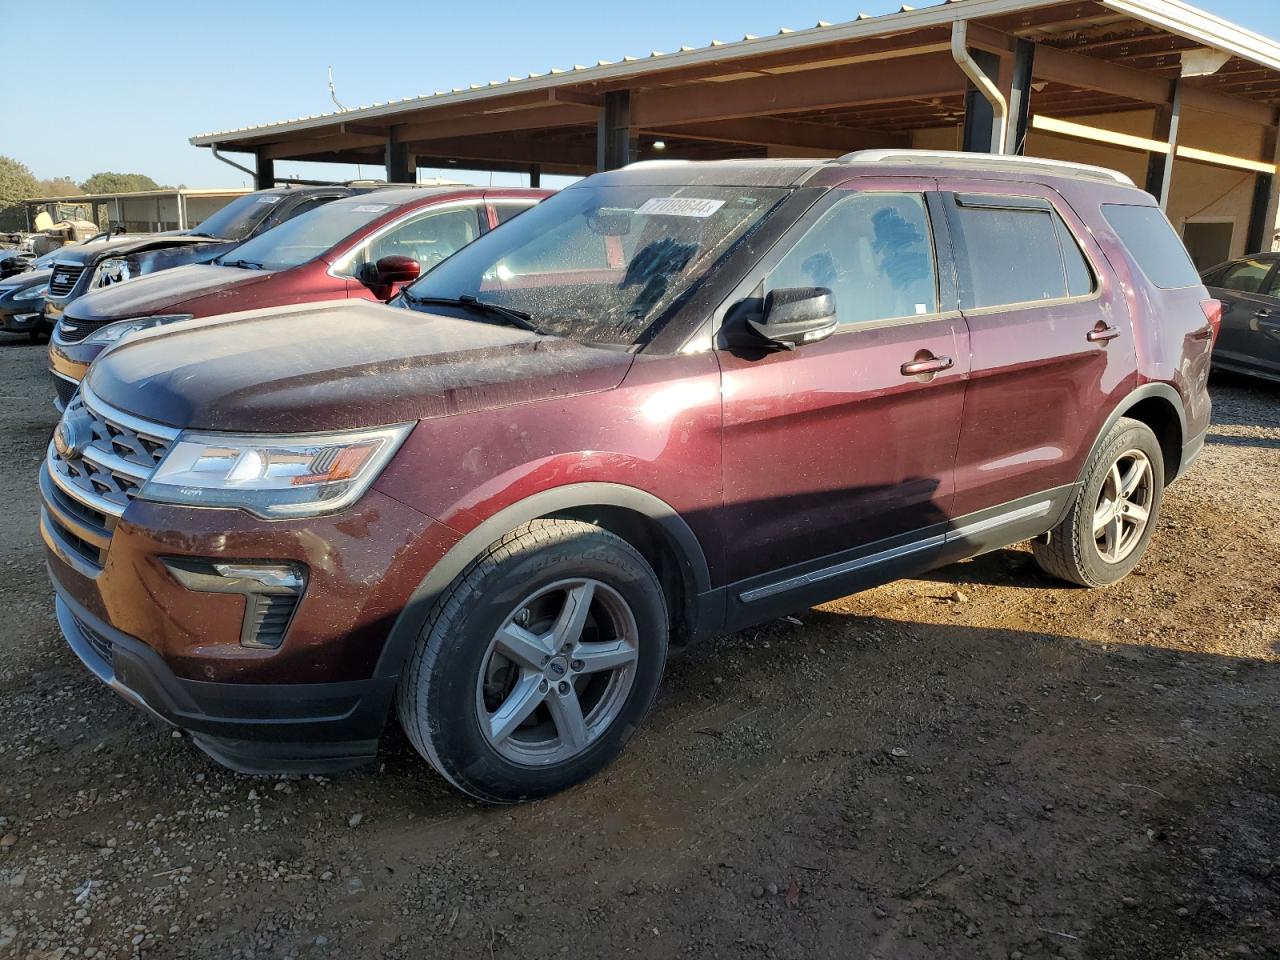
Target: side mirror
x=396 y=269
x=794 y=316
x=382 y=277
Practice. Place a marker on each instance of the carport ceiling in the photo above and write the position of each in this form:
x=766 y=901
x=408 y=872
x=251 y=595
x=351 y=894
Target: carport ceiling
x=827 y=89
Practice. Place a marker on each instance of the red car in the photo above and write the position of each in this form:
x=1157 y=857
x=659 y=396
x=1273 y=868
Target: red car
x=671 y=400
x=363 y=246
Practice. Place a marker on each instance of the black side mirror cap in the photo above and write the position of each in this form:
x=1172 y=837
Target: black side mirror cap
x=795 y=316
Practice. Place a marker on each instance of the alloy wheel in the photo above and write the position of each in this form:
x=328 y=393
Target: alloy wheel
x=1124 y=506
x=557 y=672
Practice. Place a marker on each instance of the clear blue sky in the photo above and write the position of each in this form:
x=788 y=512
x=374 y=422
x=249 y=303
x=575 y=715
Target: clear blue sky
x=131 y=81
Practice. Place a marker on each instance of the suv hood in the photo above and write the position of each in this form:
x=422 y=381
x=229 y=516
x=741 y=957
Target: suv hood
x=159 y=292
x=92 y=252
x=339 y=365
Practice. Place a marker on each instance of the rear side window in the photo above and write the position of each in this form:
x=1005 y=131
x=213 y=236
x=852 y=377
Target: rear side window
x=874 y=251
x=1153 y=244
x=1012 y=250
x=1247 y=276
x=507 y=209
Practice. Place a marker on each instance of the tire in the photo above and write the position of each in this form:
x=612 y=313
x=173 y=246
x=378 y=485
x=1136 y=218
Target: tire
x=502 y=639
x=1076 y=551
x=36 y=335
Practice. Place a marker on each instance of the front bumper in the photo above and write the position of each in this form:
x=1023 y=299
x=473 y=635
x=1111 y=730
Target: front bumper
x=318 y=701
x=18 y=322
x=70 y=361
x=251 y=728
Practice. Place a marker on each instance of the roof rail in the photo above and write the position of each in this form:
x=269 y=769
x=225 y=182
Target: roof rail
x=661 y=162
x=986 y=161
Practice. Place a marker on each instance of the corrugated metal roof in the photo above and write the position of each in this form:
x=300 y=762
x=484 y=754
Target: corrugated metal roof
x=1172 y=15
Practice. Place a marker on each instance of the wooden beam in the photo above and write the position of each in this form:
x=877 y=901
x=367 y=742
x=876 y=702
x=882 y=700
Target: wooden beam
x=296 y=149
x=523 y=151
x=533 y=118
x=775 y=132
x=934 y=75
x=1089 y=73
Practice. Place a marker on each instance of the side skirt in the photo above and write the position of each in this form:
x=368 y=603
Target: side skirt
x=803 y=585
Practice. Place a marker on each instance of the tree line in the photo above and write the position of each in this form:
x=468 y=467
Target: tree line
x=18 y=183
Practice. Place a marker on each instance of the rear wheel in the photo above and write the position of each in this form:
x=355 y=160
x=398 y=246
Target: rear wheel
x=1114 y=513
x=538 y=665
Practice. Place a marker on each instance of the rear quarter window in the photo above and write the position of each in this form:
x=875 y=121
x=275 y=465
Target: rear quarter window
x=1151 y=241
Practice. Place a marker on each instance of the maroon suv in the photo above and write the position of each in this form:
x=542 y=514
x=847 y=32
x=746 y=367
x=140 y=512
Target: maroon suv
x=675 y=399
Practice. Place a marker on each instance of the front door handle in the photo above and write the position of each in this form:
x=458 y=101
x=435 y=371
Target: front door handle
x=1102 y=334
x=923 y=366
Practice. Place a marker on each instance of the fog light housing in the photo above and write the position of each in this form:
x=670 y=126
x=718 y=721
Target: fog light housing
x=271 y=593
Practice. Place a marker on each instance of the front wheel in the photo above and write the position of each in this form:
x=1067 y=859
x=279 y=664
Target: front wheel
x=538 y=664
x=1114 y=513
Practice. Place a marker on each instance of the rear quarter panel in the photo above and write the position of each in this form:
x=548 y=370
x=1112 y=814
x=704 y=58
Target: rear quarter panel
x=1171 y=334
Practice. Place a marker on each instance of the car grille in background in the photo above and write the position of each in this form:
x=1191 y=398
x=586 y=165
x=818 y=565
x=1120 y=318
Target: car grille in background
x=73 y=331
x=89 y=489
x=65 y=276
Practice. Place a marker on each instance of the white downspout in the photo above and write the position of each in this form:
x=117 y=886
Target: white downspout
x=999 y=106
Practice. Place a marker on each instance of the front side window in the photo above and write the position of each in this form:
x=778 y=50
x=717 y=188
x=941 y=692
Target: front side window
x=874 y=252
x=1151 y=241
x=1247 y=276
x=307 y=235
x=600 y=263
x=1014 y=250
x=428 y=238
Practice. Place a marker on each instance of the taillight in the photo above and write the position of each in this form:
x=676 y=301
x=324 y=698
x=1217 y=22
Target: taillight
x=1213 y=313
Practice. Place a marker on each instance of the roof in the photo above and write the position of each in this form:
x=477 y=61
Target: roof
x=1195 y=26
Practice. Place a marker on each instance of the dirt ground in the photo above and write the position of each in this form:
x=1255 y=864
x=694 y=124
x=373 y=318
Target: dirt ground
x=982 y=764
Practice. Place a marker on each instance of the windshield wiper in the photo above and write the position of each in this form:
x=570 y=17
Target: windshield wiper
x=246 y=264
x=512 y=316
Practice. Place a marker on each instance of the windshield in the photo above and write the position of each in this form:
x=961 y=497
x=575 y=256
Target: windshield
x=601 y=264
x=238 y=218
x=306 y=236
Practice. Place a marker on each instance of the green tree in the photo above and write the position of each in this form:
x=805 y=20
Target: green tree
x=16 y=183
x=118 y=183
x=59 y=187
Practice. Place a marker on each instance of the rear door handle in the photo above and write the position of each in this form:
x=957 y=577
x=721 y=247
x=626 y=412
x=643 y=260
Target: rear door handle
x=1102 y=334
x=916 y=368
x=1264 y=314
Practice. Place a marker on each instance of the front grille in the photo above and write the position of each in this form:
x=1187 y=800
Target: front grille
x=73 y=331
x=64 y=279
x=109 y=455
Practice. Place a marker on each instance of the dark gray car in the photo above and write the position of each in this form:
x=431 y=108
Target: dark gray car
x=1249 y=288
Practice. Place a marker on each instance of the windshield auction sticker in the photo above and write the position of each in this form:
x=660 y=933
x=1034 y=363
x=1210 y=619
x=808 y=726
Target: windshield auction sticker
x=678 y=207
x=267 y=200
x=371 y=208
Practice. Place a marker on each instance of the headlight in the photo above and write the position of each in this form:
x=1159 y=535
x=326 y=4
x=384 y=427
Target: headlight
x=31 y=293
x=112 y=270
x=122 y=328
x=273 y=476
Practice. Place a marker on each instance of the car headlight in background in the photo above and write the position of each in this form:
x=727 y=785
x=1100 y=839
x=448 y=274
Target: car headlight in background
x=110 y=271
x=273 y=476
x=32 y=293
x=122 y=328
